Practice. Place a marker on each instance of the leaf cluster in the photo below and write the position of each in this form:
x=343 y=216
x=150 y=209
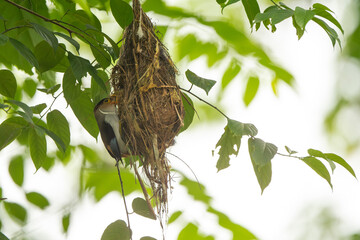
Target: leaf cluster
x=318 y=13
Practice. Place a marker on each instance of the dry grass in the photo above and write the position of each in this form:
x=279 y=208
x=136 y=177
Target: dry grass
x=149 y=101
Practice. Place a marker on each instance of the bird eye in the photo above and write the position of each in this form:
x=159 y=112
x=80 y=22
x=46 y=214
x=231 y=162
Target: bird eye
x=107 y=100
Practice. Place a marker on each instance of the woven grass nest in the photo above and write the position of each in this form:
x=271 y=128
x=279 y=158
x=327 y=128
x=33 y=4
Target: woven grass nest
x=149 y=101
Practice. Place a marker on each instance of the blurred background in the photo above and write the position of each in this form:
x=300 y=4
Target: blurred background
x=319 y=109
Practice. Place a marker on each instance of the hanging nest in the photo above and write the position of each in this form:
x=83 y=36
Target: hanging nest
x=149 y=101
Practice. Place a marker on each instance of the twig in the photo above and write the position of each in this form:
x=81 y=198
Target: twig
x=20 y=26
x=42 y=115
x=288 y=155
x=123 y=195
x=188 y=167
x=275 y=3
x=188 y=91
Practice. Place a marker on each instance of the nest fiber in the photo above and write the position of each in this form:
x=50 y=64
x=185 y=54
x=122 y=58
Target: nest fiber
x=149 y=101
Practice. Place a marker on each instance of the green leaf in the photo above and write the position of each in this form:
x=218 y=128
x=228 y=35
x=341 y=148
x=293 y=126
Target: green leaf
x=101 y=182
x=10 y=129
x=25 y=52
x=71 y=88
x=2 y=236
x=117 y=230
x=339 y=160
x=37 y=109
x=174 y=216
x=16 y=170
x=290 y=151
x=317 y=153
x=116 y=51
x=321 y=7
x=141 y=207
x=37 y=144
x=221 y=2
x=47 y=57
x=251 y=8
x=319 y=168
x=29 y=87
x=122 y=12
x=240 y=129
x=191 y=231
x=196 y=190
x=59 y=142
x=3 y=39
x=58 y=124
x=69 y=39
x=8 y=83
x=37 y=199
x=47 y=35
x=302 y=16
x=94 y=74
x=97 y=92
x=147 y=238
x=25 y=107
x=189 y=111
x=261 y=152
x=66 y=222
x=252 y=87
x=275 y=14
x=101 y=56
x=203 y=83
x=330 y=31
x=230 y=73
x=238 y=231
x=16 y=212
x=84 y=5
x=324 y=12
x=263 y=174
x=229 y=144
x=83 y=109
x=78 y=65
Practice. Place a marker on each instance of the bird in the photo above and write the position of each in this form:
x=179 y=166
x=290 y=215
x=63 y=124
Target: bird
x=107 y=118
x=106 y=115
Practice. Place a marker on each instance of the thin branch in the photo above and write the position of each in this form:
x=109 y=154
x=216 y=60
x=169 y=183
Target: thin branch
x=202 y=100
x=123 y=195
x=275 y=3
x=20 y=26
x=187 y=165
x=42 y=115
x=288 y=155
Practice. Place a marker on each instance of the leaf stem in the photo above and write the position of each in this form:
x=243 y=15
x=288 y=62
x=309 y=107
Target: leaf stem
x=42 y=115
x=288 y=155
x=204 y=101
x=275 y=3
x=9 y=29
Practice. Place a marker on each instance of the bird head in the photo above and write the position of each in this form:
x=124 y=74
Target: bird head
x=106 y=106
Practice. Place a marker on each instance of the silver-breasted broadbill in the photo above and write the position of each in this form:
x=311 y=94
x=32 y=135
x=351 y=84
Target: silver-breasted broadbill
x=107 y=118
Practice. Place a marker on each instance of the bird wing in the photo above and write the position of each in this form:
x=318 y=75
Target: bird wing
x=110 y=142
